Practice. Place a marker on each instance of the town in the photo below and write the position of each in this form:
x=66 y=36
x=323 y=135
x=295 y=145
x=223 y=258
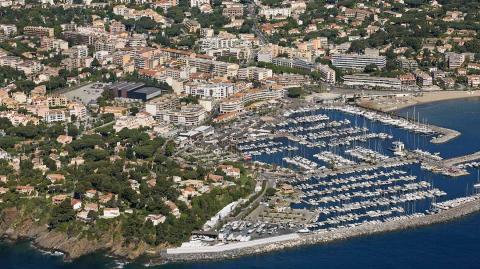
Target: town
x=172 y=128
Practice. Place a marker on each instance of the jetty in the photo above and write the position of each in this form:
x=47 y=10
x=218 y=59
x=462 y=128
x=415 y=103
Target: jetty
x=462 y=159
x=455 y=210
x=445 y=134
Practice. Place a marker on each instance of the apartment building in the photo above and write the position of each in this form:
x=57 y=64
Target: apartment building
x=455 y=60
x=189 y=115
x=327 y=74
x=355 y=61
x=408 y=64
x=254 y=73
x=237 y=102
x=48 y=43
x=423 y=78
x=370 y=81
x=55 y=115
x=290 y=80
x=162 y=103
x=216 y=68
x=293 y=63
x=56 y=101
x=214 y=90
x=117 y=27
x=473 y=81
x=275 y=12
x=218 y=43
x=165 y=4
x=233 y=10
x=8 y=30
x=198 y=3
x=38 y=31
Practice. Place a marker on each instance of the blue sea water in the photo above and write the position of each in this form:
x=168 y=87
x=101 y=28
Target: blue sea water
x=450 y=245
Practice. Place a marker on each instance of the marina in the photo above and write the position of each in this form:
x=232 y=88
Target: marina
x=350 y=167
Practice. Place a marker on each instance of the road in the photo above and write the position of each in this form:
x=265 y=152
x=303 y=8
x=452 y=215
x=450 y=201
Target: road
x=253 y=15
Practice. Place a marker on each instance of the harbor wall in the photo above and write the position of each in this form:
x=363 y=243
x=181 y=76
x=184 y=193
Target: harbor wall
x=296 y=240
x=445 y=134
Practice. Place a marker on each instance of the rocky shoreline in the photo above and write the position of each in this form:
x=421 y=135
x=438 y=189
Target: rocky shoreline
x=74 y=247
x=325 y=237
x=14 y=226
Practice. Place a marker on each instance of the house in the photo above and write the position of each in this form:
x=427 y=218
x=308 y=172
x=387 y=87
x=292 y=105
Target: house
x=173 y=208
x=110 y=213
x=28 y=190
x=64 y=139
x=55 y=178
x=83 y=216
x=77 y=161
x=176 y=179
x=230 y=171
x=152 y=183
x=103 y=199
x=3 y=178
x=90 y=193
x=58 y=199
x=192 y=183
x=155 y=219
x=91 y=207
x=214 y=178
x=189 y=192
x=76 y=204
x=3 y=190
x=473 y=81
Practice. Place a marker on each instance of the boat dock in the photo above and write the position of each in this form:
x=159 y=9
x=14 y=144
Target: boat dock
x=390 y=162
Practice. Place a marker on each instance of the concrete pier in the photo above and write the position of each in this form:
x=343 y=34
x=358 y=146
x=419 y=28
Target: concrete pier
x=462 y=159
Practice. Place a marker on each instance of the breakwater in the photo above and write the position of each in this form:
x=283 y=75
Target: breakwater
x=296 y=240
x=444 y=135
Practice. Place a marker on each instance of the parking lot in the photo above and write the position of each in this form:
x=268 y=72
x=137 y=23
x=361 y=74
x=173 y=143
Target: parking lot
x=87 y=94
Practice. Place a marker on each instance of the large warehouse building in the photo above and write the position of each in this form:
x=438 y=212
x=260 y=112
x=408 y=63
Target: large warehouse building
x=134 y=90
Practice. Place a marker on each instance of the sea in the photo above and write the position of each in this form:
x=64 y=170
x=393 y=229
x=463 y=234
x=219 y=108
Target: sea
x=455 y=244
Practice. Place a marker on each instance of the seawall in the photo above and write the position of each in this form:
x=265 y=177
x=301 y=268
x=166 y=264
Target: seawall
x=296 y=240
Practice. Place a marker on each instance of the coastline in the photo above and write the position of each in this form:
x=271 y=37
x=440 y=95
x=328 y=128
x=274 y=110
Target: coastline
x=388 y=105
x=292 y=241
x=16 y=227
x=162 y=256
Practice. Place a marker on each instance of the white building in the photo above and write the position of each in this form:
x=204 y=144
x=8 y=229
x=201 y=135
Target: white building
x=215 y=90
x=134 y=122
x=237 y=103
x=188 y=115
x=355 y=61
x=327 y=74
x=275 y=12
x=198 y=3
x=366 y=80
x=254 y=73
x=110 y=213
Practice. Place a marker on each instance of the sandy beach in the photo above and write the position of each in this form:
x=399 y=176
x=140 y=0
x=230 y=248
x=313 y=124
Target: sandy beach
x=396 y=103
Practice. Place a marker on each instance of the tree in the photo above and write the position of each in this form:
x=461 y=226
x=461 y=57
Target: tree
x=5 y=123
x=295 y=92
x=176 y=13
x=134 y=110
x=270 y=191
x=72 y=130
x=170 y=148
x=25 y=85
x=61 y=214
x=51 y=164
x=371 y=68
